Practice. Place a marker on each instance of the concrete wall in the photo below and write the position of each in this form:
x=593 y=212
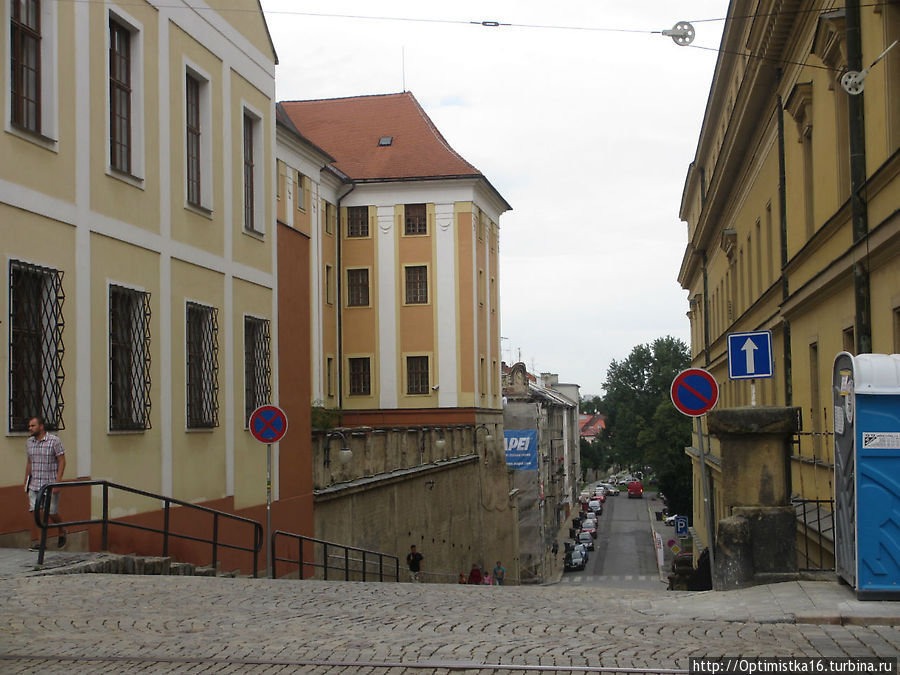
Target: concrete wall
x=401 y=487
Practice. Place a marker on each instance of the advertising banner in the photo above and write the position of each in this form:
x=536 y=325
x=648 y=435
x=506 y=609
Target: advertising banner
x=521 y=449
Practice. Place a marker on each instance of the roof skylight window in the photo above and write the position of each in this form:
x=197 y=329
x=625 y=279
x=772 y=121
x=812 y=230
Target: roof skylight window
x=386 y=140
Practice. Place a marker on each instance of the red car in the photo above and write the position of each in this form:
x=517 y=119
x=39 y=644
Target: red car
x=635 y=489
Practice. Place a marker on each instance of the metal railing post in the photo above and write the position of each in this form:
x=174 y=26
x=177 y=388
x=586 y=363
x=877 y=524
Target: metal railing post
x=104 y=531
x=346 y=564
x=380 y=567
x=215 y=541
x=272 y=536
x=364 y=565
x=300 y=561
x=166 y=531
x=45 y=516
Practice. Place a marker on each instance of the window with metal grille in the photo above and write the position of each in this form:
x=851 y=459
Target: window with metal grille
x=257 y=370
x=119 y=97
x=358 y=221
x=35 y=345
x=360 y=380
x=249 y=204
x=416 y=374
x=358 y=288
x=416 y=222
x=25 y=71
x=202 y=331
x=416 y=285
x=129 y=359
x=192 y=115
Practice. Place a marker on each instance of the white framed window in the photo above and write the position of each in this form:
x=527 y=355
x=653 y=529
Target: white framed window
x=257 y=365
x=129 y=358
x=202 y=366
x=125 y=95
x=254 y=203
x=198 y=185
x=32 y=99
x=36 y=349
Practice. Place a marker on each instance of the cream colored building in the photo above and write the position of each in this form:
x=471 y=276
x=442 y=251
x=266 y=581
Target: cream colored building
x=138 y=244
x=775 y=241
x=399 y=236
x=405 y=261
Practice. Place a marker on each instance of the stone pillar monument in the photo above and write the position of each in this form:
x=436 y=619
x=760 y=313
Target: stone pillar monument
x=756 y=544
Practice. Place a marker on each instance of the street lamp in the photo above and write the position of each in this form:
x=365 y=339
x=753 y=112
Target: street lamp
x=345 y=453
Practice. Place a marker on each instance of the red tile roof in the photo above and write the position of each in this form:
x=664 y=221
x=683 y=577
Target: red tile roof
x=592 y=425
x=350 y=128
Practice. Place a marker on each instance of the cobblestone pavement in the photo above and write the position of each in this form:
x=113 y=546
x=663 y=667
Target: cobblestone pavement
x=97 y=623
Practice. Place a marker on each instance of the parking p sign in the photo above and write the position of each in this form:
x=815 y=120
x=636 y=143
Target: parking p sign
x=681 y=526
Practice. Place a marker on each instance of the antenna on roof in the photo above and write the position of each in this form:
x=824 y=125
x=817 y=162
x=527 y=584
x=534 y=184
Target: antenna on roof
x=403 y=65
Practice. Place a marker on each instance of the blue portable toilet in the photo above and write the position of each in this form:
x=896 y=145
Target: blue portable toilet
x=866 y=390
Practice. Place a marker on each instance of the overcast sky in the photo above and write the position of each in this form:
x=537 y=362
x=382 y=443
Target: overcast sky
x=587 y=134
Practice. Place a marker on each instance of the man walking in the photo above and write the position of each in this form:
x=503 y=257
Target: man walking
x=46 y=464
x=414 y=562
x=499 y=574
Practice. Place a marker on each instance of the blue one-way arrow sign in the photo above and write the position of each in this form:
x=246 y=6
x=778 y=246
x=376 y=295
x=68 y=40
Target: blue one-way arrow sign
x=750 y=355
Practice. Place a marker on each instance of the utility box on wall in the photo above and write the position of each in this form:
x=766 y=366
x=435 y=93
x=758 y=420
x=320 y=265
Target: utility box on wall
x=866 y=391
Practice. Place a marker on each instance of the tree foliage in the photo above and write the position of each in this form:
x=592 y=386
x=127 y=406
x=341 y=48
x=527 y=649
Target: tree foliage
x=642 y=425
x=591 y=406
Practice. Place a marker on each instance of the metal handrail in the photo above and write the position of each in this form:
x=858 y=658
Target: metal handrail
x=105 y=521
x=324 y=564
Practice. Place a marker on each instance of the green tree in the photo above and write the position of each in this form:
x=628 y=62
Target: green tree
x=643 y=426
x=591 y=406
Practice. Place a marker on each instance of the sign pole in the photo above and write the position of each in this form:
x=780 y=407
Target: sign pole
x=268 y=424
x=710 y=533
x=268 y=506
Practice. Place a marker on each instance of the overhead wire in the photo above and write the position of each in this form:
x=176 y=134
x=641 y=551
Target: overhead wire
x=538 y=26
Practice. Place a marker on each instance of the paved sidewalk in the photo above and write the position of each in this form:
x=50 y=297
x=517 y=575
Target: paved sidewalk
x=90 y=623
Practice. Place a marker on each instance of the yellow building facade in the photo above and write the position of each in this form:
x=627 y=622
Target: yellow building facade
x=775 y=241
x=404 y=261
x=136 y=230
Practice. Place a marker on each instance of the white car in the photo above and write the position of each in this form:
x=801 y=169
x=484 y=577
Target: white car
x=670 y=520
x=611 y=490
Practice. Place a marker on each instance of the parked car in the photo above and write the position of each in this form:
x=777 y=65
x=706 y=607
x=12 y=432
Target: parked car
x=611 y=490
x=575 y=561
x=586 y=539
x=590 y=526
x=670 y=520
x=595 y=506
x=599 y=496
x=635 y=489
x=583 y=549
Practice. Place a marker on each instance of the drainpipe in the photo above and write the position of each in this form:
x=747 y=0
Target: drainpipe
x=782 y=216
x=857 y=183
x=338 y=285
x=705 y=310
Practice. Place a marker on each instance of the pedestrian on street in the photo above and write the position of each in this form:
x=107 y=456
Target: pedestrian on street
x=414 y=562
x=555 y=548
x=499 y=574
x=475 y=574
x=46 y=464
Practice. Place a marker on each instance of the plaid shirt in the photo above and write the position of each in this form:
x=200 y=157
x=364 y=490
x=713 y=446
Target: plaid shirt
x=44 y=463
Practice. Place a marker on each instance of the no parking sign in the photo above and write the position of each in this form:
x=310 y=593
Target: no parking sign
x=694 y=392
